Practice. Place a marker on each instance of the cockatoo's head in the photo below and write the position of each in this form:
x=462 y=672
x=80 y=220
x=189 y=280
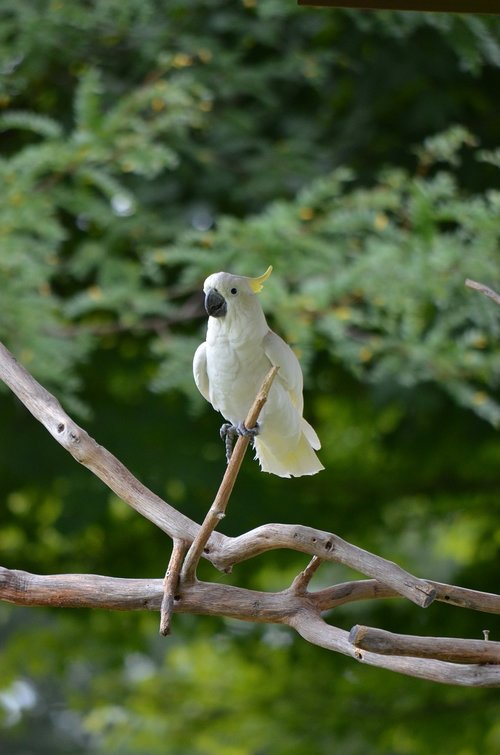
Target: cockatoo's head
x=223 y=290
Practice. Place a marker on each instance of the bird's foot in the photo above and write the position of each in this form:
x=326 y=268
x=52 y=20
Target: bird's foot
x=247 y=432
x=229 y=432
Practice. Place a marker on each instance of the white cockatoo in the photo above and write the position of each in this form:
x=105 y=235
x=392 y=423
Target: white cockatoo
x=231 y=364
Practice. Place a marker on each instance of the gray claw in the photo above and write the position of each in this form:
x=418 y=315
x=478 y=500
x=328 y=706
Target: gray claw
x=247 y=432
x=229 y=432
x=226 y=428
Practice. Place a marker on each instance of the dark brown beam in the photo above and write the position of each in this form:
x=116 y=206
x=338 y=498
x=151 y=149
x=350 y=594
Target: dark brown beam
x=446 y=6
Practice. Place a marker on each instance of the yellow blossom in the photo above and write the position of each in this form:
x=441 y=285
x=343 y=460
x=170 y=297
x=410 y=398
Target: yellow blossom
x=306 y=213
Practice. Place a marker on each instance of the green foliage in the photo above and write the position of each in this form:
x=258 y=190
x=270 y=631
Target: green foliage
x=69 y=184
x=146 y=145
x=375 y=277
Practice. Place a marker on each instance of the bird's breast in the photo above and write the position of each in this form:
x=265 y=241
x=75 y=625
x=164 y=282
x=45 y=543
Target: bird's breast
x=236 y=368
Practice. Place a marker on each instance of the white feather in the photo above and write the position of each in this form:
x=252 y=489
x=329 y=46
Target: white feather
x=229 y=369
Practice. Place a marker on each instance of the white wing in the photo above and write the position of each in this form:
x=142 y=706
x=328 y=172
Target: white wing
x=200 y=370
x=280 y=354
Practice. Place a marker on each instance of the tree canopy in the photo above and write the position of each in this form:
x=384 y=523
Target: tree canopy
x=144 y=146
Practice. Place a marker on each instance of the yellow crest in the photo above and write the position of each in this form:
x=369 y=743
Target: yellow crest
x=256 y=284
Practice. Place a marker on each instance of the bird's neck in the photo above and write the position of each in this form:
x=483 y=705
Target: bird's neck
x=246 y=323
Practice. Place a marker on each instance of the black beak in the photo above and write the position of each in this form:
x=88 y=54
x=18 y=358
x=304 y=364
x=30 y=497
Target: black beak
x=215 y=304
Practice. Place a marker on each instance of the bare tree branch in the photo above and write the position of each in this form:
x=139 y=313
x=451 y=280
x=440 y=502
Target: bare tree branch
x=221 y=550
x=297 y=607
x=300 y=611
x=123 y=594
x=486 y=290
x=326 y=546
x=171 y=584
x=313 y=629
x=47 y=410
x=440 y=648
x=218 y=508
x=369 y=589
x=301 y=582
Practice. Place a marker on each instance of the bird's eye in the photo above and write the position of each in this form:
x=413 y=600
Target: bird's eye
x=234 y=291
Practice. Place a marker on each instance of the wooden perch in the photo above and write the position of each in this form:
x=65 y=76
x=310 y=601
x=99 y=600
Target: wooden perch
x=302 y=613
x=313 y=629
x=218 y=508
x=328 y=547
x=486 y=290
x=181 y=592
x=440 y=648
x=47 y=410
x=224 y=552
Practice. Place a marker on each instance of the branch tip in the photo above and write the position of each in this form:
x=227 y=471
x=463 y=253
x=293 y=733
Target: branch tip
x=301 y=582
x=170 y=585
x=453 y=649
x=486 y=290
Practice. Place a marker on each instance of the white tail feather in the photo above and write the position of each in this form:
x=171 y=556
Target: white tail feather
x=301 y=460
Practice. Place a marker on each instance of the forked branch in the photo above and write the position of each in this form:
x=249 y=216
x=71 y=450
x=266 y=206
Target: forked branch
x=301 y=612
x=297 y=607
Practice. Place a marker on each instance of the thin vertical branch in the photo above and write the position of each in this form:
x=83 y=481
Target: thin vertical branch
x=218 y=508
x=170 y=585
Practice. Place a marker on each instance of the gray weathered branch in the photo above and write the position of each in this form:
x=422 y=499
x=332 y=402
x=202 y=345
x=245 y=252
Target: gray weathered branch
x=122 y=594
x=486 y=290
x=313 y=629
x=369 y=589
x=47 y=410
x=295 y=606
x=440 y=648
x=328 y=547
x=171 y=585
x=221 y=550
x=218 y=508
x=299 y=610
